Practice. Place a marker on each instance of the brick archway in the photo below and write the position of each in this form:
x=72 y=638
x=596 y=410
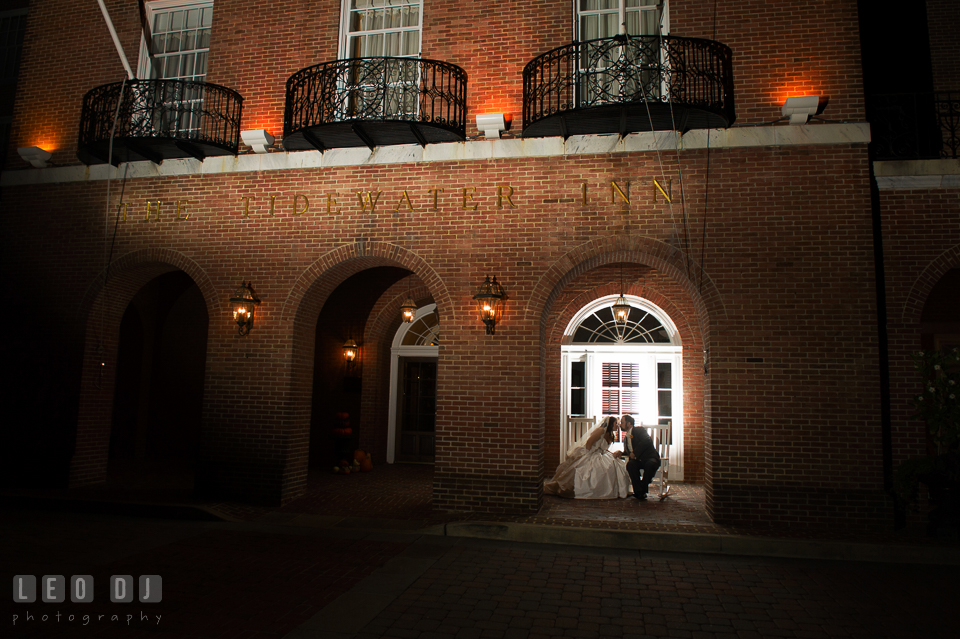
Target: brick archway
x=101 y=310
x=301 y=311
x=924 y=283
x=690 y=305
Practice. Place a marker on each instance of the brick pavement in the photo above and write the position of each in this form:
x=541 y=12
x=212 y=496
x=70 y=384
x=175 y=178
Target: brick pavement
x=526 y=591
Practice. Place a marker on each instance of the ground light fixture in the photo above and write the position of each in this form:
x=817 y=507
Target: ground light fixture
x=34 y=155
x=491 y=124
x=244 y=304
x=257 y=139
x=800 y=108
x=490 y=302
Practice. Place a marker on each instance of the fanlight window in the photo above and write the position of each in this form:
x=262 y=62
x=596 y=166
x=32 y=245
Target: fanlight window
x=641 y=327
x=424 y=332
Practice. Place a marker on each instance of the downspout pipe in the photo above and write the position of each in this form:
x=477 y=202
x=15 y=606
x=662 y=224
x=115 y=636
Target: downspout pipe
x=883 y=343
x=116 y=40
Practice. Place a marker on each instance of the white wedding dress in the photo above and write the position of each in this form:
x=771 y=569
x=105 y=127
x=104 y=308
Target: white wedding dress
x=590 y=474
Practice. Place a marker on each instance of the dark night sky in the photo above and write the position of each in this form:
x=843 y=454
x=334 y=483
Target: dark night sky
x=896 y=46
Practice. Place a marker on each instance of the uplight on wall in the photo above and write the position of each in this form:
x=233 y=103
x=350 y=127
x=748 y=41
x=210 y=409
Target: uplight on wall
x=490 y=302
x=491 y=124
x=257 y=139
x=34 y=155
x=799 y=109
x=244 y=304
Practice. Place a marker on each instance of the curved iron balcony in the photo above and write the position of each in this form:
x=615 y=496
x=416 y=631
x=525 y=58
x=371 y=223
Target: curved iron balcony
x=914 y=126
x=626 y=84
x=159 y=119
x=375 y=102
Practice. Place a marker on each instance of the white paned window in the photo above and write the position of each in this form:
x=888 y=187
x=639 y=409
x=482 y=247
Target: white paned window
x=378 y=28
x=178 y=44
x=386 y=89
x=601 y=77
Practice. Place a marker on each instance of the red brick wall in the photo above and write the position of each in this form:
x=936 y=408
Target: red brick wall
x=787 y=276
x=943 y=23
x=779 y=49
x=921 y=242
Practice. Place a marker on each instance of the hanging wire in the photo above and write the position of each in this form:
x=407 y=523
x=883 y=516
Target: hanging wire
x=706 y=185
x=108 y=251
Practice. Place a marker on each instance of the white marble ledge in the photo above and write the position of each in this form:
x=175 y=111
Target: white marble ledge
x=467 y=151
x=917 y=174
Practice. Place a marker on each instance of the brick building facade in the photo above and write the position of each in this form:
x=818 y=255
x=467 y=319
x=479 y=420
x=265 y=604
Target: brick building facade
x=757 y=245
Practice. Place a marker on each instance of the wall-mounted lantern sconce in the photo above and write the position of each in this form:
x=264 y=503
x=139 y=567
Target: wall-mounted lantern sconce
x=490 y=302
x=257 y=139
x=35 y=156
x=799 y=109
x=244 y=303
x=408 y=310
x=491 y=124
x=351 y=353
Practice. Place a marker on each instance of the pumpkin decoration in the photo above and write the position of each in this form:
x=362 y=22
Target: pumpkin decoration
x=359 y=455
x=367 y=464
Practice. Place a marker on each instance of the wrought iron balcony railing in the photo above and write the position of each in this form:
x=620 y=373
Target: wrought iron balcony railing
x=914 y=126
x=374 y=102
x=628 y=83
x=159 y=119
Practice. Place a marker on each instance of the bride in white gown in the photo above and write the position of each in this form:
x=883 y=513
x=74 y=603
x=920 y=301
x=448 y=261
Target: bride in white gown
x=590 y=471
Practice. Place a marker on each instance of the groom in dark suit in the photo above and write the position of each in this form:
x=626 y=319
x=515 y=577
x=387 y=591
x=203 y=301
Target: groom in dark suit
x=641 y=455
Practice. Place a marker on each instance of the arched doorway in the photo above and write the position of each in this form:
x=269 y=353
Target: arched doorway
x=634 y=368
x=411 y=434
x=158 y=395
x=940 y=319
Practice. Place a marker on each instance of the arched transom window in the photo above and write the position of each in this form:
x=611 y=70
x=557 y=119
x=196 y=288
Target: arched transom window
x=641 y=327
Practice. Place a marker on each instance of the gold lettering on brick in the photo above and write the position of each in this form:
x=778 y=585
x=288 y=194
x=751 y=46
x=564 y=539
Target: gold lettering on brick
x=124 y=218
x=182 y=206
x=246 y=205
x=306 y=204
x=583 y=193
x=332 y=202
x=436 y=192
x=615 y=188
x=508 y=196
x=469 y=197
x=147 y=219
x=667 y=194
x=273 y=205
x=372 y=201
x=404 y=198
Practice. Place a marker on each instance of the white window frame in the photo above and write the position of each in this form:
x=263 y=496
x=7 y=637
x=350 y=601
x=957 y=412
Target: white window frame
x=647 y=355
x=664 y=17
x=343 y=50
x=160 y=6
x=398 y=350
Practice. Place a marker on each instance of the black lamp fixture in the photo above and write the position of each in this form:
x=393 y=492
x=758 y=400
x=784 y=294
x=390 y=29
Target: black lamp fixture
x=490 y=302
x=408 y=310
x=244 y=303
x=621 y=309
x=351 y=353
